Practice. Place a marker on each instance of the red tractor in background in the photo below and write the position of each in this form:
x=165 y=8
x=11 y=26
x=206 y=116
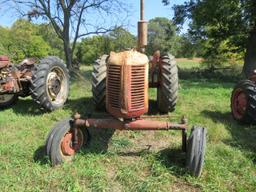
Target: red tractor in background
x=120 y=83
x=47 y=82
x=243 y=101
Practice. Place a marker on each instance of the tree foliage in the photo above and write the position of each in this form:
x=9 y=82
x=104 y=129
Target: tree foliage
x=162 y=36
x=92 y=47
x=222 y=23
x=22 y=40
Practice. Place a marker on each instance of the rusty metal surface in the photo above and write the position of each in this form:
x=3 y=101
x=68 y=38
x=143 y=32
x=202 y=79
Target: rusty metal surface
x=68 y=145
x=136 y=124
x=142 y=30
x=154 y=70
x=4 y=61
x=13 y=76
x=127 y=84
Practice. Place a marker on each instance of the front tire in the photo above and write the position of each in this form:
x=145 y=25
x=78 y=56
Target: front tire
x=196 y=151
x=7 y=100
x=167 y=92
x=50 y=83
x=60 y=146
x=243 y=102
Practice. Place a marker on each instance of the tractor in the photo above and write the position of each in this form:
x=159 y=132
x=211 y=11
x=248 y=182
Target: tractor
x=243 y=101
x=47 y=82
x=120 y=85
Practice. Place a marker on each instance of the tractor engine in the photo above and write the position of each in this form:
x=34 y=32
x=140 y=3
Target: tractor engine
x=127 y=84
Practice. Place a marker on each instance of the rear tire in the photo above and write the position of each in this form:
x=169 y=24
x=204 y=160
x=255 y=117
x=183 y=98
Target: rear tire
x=243 y=102
x=196 y=151
x=60 y=147
x=7 y=100
x=50 y=83
x=99 y=82
x=167 y=92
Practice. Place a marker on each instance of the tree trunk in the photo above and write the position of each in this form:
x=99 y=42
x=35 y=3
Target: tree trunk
x=250 y=55
x=68 y=55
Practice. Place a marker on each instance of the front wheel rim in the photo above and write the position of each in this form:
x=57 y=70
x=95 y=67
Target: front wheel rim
x=239 y=103
x=67 y=146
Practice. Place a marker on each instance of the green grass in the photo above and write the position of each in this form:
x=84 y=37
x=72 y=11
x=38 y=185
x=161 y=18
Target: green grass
x=124 y=161
x=188 y=64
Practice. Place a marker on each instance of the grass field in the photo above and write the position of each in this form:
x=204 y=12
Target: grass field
x=123 y=161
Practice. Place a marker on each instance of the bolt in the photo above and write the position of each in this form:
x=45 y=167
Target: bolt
x=183 y=120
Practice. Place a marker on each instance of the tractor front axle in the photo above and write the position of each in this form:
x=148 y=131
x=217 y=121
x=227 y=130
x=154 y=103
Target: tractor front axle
x=132 y=124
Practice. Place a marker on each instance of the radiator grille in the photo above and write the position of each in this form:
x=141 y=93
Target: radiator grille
x=138 y=87
x=114 y=75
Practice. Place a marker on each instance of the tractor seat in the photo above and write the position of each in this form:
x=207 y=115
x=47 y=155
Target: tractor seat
x=4 y=61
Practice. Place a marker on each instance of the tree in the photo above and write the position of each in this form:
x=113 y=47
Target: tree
x=91 y=48
x=22 y=40
x=47 y=32
x=121 y=39
x=72 y=19
x=162 y=36
x=231 y=22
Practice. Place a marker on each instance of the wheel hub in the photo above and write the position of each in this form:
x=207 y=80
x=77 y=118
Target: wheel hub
x=67 y=145
x=54 y=85
x=239 y=103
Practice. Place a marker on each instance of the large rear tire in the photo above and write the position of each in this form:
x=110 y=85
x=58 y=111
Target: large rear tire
x=60 y=146
x=7 y=100
x=50 y=83
x=99 y=82
x=243 y=102
x=196 y=151
x=167 y=92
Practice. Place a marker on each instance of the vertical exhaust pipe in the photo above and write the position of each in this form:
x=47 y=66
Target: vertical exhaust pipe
x=142 y=30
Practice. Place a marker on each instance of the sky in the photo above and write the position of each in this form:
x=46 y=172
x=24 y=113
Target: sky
x=153 y=8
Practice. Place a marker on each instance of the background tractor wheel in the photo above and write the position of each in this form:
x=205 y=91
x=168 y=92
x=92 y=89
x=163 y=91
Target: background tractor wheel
x=59 y=144
x=6 y=100
x=167 y=92
x=99 y=82
x=50 y=83
x=196 y=150
x=243 y=102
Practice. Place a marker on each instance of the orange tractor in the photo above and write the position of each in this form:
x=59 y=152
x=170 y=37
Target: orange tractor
x=120 y=85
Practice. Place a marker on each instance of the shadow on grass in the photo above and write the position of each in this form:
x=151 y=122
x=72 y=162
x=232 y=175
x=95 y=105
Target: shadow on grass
x=153 y=108
x=173 y=159
x=27 y=107
x=100 y=139
x=40 y=156
x=82 y=105
x=243 y=136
